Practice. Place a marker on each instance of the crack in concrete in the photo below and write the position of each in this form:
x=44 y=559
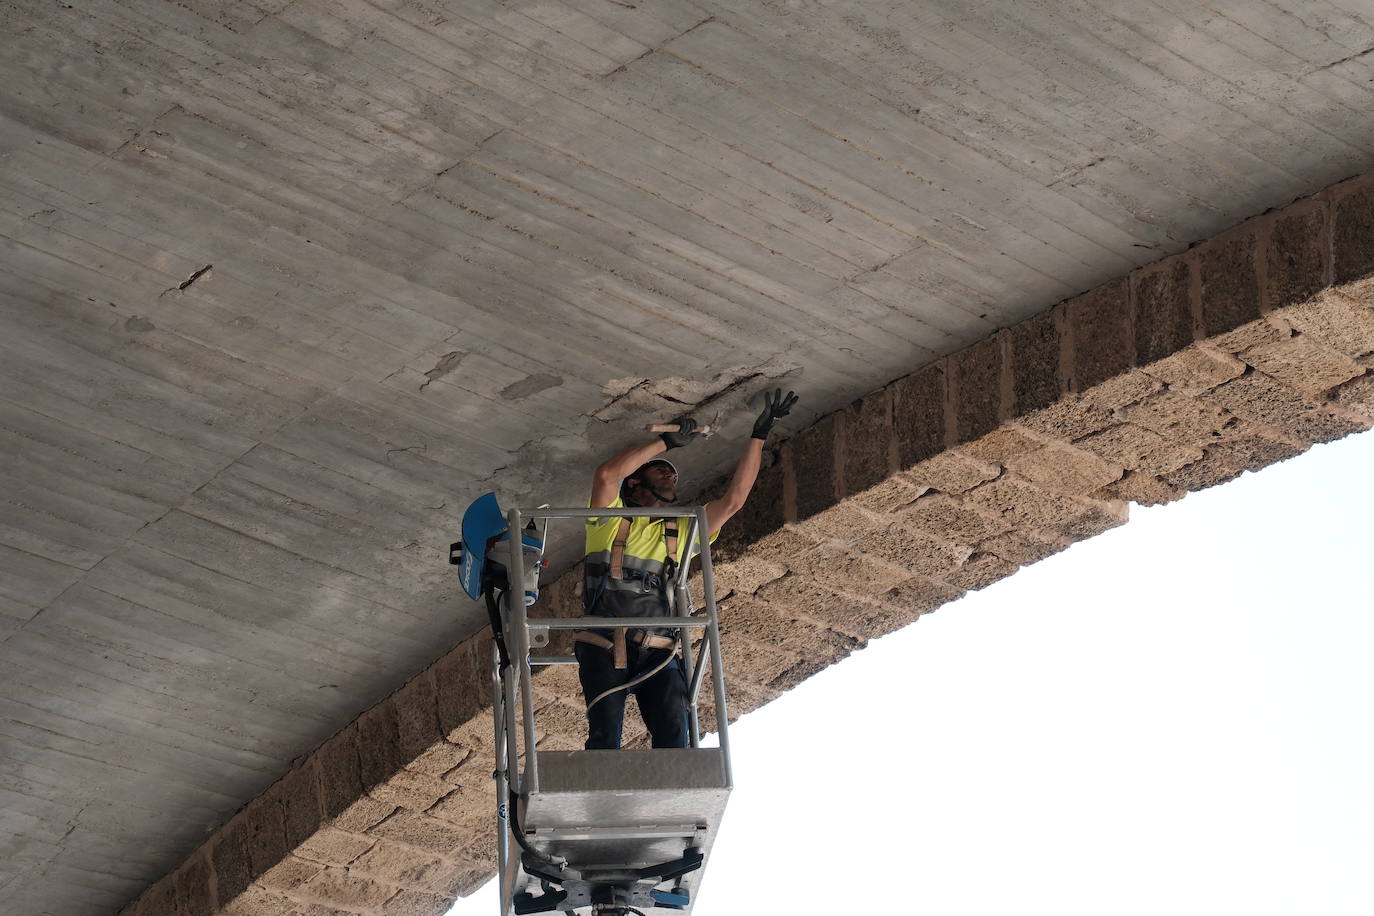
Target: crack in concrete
x=1344 y=60
x=186 y=284
x=409 y=448
x=446 y=364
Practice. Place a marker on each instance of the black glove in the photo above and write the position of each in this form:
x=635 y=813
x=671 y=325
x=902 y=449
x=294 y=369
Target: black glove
x=686 y=432
x=776 y=408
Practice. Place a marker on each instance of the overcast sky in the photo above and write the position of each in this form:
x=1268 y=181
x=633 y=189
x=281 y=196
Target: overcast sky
x=1173 y=717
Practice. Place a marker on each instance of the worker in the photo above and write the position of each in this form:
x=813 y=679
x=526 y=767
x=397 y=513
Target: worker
x=630 y=565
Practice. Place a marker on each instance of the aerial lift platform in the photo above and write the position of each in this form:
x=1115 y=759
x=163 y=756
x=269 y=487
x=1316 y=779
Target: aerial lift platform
x=602 y=832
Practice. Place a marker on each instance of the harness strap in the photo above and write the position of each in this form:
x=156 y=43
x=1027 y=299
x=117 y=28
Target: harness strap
x=622 y=535
x=639 y=637
x=670 y=543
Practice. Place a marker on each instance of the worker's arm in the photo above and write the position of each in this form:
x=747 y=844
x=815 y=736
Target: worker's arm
x=609 y=474
x=719 y=511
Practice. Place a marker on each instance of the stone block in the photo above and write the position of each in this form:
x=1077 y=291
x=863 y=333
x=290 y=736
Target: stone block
x=258 y=901
x=776 y=617
x=784 y=545
x=1069 y=419
x=868 y=448
x=1357 y=395
x=398 y=864
x=560 y=598
x=556 y=682
x=904 y=603
x=302 y=811
x=417 y=715
x=562 y=726
x=805 y=599
x=466 y=876
x=1179 y=419
x=1136 y=448
x=266 y=837
x=194 y=894
x=813 y=459
x=1303 y=364
x=290 y=873
x=417 y=903
x=439 y=759
x=1065 y=469
x=1196 y=369
x=338 y=886
x=1230 y=285
x=918 y=414
x=1265 y=330
x=890 y=495
x=1035 y=369
x=1022 y=548
x=468 y=808
x=332 y=846
x=951 y=472
x=428 y=833
x=407 y=788
x=379 y=754
x=362 y=814
x=1295 y=256
x=1338 y=321
x=1352 y=234
x=762 y=514
x=231 y=859
x=975 y=375
x=1024 y=505
x=1163 y=309
x=1325 y=426
x=863 y=574
x=1121 y=390
x=1208 y=471
x=1094 y=519
x=1254 y=452
x=954 y=519
x=340 y=779
x=159 y=900
x=1142 y=489
x=1001 y=445
x=1256 y=396
x=1102 y=343
x=843 y=522
x=980 y=571
x=319 y=909
x=754 y=662
x=914 y=549
x=462 y=682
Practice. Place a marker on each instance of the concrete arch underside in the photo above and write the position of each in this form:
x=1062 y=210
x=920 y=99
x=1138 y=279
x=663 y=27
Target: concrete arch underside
x=1243 y=351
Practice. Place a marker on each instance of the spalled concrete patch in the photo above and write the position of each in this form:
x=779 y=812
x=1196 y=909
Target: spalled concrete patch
x=393 y=814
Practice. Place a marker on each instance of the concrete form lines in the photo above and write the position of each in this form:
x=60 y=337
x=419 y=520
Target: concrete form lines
x=677 y=248
x=902 y=143
x=639 y=267
x=1116 y=62
x=1170 y=63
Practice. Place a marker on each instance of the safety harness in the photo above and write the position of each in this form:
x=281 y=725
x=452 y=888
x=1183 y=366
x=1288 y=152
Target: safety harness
x=616 y=645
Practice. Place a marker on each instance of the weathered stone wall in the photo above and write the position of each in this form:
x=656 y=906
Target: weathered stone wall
x=1238 y=353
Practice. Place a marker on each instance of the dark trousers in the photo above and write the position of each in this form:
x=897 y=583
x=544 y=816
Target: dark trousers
x=662 y=698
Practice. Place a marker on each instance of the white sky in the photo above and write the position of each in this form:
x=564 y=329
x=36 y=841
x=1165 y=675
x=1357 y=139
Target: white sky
x=1173 y=717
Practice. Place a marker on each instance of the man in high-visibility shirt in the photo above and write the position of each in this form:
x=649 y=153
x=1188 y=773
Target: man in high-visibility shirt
x=630 y=564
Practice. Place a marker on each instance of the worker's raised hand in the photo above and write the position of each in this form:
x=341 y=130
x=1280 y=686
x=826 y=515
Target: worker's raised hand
x=686 y=432
x=775 y=407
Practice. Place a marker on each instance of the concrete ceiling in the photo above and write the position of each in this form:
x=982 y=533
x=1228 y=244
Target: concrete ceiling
x=284 y=284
